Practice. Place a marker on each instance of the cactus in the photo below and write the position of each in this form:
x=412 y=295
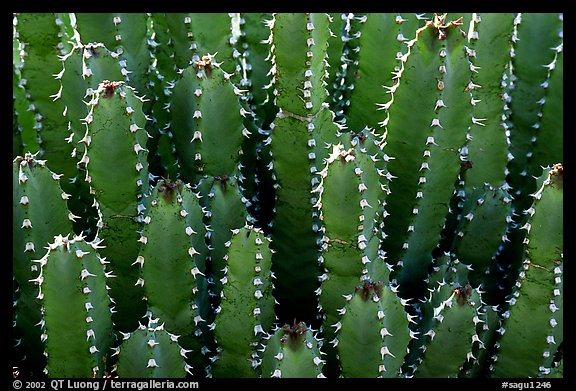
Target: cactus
x=373 y=333
x=292 y=351
x=77 y=336
x=244 y=315
x=538 y=292
x=40 y=212
x=288 y=195
x=151 y=352
x=168 y=253
x=199 y=126
x=115 y=139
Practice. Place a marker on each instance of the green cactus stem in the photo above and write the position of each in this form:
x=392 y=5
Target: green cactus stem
x=124 y=34
x=542 y=33
x=207 y=139
x=428 y=166
x=530 y=333
x=349 y=211
x=40 y=212
x=246 y=309
x=298 y=135
x=39 y=35
x=292 y=352
x=78 y=334
x=488 y=51
x=151 y=352
x=225 y=209
x=483 y=230
x=115 y=140
x=373 y=332
x=452 y=332
x=168 y=253
x=384 y=35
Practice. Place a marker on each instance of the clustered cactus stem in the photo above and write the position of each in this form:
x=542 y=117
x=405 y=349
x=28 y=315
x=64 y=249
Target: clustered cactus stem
x=277 y=195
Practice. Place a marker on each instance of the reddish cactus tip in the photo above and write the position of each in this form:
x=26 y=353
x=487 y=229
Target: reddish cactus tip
x=110 y=87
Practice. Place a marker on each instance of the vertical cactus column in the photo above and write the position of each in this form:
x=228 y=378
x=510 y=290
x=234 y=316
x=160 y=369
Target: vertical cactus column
x=169 y=239
x=76 y=321
x=246 y=310
x=349 y=210
x=380 y=47
x=39 y=35
x=489 y=56
x=533 y=139
x=532 y=328
x=483 y=231
x=529 y=95
x=117 y=170
x=40 y=212
x=208 y=139
x=302 y=126
x=225 y=210
x=44 y=39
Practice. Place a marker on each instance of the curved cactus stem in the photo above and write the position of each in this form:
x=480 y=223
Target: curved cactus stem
x=428 y=166
x=530 y=321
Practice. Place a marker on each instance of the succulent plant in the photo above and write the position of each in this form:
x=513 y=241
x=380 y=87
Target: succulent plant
x=214 y=195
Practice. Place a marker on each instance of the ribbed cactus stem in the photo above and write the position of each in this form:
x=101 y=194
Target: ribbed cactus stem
x=39 y=34
x=489 y=57
x=40 y=212
x=115 y=142
x=483 y=230
x=379 y=50
x=297 y=54
x=152 y=352
x=532 y=328
x=373 y=333
x=529 y=95
x=427 y=167
x=246 y=310
x=453 y=330
x=208 y=139
x=168 y=253
x=77 y=334
x=292 y=351
x=226 y=211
